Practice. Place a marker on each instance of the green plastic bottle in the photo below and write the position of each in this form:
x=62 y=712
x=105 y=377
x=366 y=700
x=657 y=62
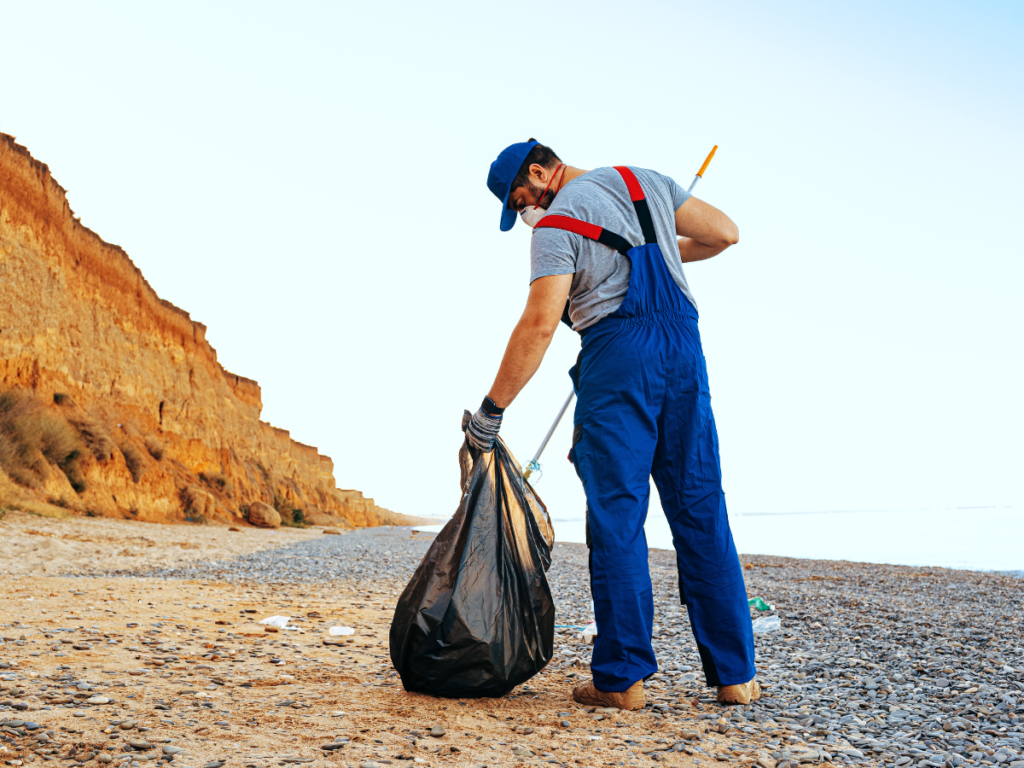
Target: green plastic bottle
x=759 y=604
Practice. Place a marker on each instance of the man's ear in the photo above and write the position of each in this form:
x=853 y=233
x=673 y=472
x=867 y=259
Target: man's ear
x=539 y=173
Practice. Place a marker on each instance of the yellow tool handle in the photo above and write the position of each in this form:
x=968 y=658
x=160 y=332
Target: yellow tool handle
x=708 y=161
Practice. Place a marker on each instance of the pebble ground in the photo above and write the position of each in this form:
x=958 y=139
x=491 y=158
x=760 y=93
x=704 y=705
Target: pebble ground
x=873 y=665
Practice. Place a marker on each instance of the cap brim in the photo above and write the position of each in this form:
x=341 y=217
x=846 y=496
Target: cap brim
x=508 y=218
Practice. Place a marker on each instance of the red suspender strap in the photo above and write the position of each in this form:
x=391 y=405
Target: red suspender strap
x=589 y=231
x=569 y=224
x=636 y=194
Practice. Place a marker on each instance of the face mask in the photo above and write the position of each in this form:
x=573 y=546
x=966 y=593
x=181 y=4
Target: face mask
x=534 y=213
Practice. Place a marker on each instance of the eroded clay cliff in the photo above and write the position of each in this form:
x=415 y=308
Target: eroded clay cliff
x=177 y=436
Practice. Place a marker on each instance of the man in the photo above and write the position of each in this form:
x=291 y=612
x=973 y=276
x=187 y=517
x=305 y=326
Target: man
x=605 y=240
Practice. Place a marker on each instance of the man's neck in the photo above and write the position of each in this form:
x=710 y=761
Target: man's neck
x=570 y=174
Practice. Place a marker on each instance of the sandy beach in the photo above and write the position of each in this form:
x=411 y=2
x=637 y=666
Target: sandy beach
x=128 y=642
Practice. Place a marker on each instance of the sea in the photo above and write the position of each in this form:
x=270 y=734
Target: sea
x=971 y=538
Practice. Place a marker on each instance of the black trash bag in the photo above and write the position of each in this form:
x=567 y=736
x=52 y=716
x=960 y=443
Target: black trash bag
x=477 y=618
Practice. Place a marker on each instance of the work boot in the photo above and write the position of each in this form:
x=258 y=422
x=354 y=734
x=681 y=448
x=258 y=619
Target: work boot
x=739 y=694
x=631 y=698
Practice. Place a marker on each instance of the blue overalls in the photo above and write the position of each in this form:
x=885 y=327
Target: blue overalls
x=644 y=409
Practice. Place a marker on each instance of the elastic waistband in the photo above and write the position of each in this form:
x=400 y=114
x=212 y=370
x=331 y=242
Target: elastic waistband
x=652 y=318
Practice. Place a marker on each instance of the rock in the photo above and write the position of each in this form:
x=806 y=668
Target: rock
x=333 y=745
x=95 y=700
x=332 y=532
x=263 y=515
x=214 y=764
x=140 y=745
x=104 y=758
x=437 y=731
x=172 y=750
x=235 y=530
x=689 y=735
x=368 y=764
x=31 y=726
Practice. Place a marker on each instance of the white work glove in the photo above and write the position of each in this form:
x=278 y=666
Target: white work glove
x=482 y=429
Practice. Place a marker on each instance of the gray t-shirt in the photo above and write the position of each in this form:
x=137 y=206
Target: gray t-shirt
x=600 y=274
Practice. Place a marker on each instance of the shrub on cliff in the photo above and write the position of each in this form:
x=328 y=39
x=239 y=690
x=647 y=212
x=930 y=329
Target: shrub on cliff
x=134 y=461
x=32 y=435
x=155 y=448
x=217 y=482
x=96 y=438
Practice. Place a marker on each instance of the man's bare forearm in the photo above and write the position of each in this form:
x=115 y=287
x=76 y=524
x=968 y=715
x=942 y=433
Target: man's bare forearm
x=705 y=231
x=690 y=250
x=523 y=355
x=531 y=337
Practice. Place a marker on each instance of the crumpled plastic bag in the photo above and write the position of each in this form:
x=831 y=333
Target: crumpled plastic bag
x=477 y=618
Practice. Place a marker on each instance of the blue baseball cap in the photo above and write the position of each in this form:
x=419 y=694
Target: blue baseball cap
x=503 y=173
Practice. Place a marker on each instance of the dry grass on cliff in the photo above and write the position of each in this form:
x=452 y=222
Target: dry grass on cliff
x=12 y=497
x=33 y=436
x=155 y=448
x=217 y=482
x=133 y=460
x=96 y=438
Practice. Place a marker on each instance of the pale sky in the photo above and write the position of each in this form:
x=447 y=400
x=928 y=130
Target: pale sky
x=308 y=180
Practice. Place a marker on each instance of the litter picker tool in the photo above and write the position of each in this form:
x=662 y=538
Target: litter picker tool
x=534 y=465
x=700 y=173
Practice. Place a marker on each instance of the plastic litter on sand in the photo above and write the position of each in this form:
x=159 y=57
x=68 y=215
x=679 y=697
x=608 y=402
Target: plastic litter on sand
x=588 y=634
x=281 y=622
x=767 y=624
x=759 y=604
x=340 y=631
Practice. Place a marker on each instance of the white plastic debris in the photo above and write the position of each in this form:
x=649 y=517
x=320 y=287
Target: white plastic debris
x=588 y=634
x=340 y=631
x=281 y=622
x=767 y=624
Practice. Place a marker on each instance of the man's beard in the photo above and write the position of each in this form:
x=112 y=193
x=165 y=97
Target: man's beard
x=546 y=199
